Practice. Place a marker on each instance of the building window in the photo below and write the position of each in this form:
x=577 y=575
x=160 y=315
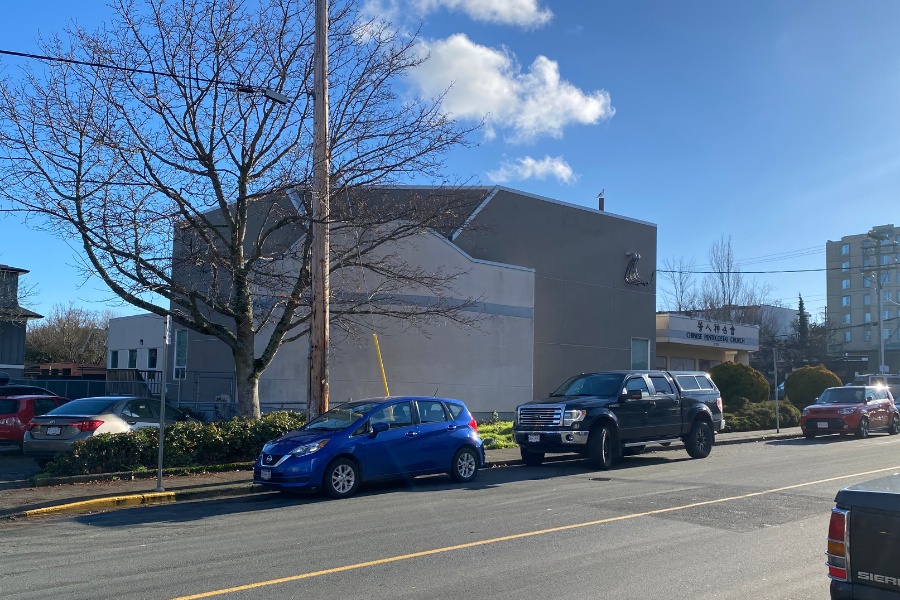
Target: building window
x=886 y=314
x=114 y=359
x=847 y=336
x=845 y=248
x=867 y=334
x=867 y=318
x=886 y=333
x=845 y=284
x=867 y=262
x=867 y=283
x=886 y=277
x=151 y=358
x=845 y=266
x=181 y=342
x=886 y=296
x=846 y=318
x=845 y=300
x=640 y=353
x=867 y=299
x=132 y=359
x=885 y=259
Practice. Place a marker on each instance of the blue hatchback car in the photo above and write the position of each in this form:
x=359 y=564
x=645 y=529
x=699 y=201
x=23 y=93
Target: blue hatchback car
x=368 y=440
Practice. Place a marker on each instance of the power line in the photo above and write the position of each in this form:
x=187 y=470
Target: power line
x=240 y=87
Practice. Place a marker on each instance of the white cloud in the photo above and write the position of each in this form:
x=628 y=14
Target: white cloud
x=490 y=84
x=530 y=168
x=527 y=14
x=521 y=13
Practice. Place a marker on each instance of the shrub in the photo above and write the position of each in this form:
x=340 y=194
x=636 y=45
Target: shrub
x=736 y=380
x=185 y=444
x=761 y=415
x=804 y=385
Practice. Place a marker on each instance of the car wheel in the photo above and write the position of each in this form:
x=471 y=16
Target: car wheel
x=699 y=440
x=863 y=431
x=341 y=478
x=465 y=465
x=43 y=462
x=532 y=459
x=602 y=448
x=809 y=436
x=895 y=425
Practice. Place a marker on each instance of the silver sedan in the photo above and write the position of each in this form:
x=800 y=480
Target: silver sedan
x=58 y=430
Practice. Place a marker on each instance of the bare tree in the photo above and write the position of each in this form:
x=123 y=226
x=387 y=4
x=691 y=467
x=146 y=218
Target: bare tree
x=681 y=294
x=68 y=334
x=179 y=147
x=725 y=295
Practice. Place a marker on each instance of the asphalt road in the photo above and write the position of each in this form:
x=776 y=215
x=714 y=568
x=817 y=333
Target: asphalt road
x=747 y=522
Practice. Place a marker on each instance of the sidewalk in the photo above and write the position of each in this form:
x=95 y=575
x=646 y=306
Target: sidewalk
x=81 y=494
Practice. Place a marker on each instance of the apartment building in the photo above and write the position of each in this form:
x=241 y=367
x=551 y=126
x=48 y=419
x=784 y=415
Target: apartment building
x=864 y=296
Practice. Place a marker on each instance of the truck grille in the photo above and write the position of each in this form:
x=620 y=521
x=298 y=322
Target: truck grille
x=540 y=415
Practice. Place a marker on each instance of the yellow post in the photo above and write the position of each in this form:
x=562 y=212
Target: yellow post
x=381 y=364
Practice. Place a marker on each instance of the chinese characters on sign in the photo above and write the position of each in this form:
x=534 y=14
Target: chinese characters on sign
x=715 y=332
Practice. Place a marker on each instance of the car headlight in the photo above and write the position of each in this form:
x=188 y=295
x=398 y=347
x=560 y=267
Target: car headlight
x=805 y=412
x=846 y=411
x=308 y=448
x=573 y=416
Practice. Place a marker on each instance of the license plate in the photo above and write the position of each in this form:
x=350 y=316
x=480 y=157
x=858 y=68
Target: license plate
x=534 y=438
x=53 y=431
x=265 y=474
x=822 y=425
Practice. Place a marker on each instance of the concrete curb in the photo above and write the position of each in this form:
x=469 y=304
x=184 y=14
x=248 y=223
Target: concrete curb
x=244 y=489
x=137 y=499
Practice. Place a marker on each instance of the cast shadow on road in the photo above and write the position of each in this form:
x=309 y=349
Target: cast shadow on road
x=837 y=438
x=490 y=477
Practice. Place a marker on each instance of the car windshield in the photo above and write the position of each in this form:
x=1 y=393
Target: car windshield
x=83 y=407
x=602 y=384
x=844 y=395
x=340 y=417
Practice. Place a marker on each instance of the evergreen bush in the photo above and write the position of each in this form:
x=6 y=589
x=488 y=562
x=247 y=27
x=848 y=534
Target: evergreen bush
x=736 y=380
x=804 y=385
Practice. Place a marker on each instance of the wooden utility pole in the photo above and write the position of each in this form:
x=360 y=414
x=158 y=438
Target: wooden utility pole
x=318 y=331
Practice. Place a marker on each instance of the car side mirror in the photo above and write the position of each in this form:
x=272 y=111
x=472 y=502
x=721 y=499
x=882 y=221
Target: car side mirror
x=379 y=428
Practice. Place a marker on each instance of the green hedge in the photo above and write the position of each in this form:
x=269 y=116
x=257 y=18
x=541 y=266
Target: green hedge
x=761 y=415
x=185 y=444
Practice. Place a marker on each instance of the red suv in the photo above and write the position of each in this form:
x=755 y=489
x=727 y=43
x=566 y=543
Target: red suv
x=855 y=409
x=18 y=404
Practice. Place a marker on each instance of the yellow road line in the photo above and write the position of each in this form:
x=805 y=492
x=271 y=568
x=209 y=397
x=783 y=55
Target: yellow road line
x=506 y=538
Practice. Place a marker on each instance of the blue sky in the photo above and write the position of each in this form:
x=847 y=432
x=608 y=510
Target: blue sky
x=776 y=123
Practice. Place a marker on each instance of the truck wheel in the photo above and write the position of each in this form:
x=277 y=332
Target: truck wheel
x=699 y=441
x=895 y=425
x=602 y=449
x=863 y=431
x=532 y=459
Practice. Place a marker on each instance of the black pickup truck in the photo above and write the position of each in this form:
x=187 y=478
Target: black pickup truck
x=864 y=541
x=605 y=415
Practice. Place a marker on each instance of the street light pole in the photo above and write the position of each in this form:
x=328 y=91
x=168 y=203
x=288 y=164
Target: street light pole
x=318 y=330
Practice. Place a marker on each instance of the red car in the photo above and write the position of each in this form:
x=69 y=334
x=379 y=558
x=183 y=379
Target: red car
x=855 y=409
x=18 y=404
